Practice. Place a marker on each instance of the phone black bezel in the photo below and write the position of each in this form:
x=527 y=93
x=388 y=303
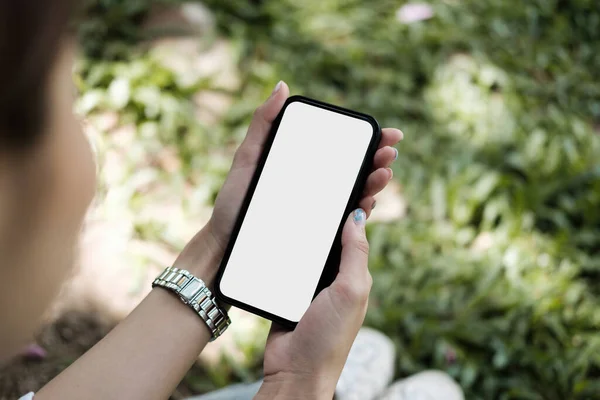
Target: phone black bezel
x=331 y=266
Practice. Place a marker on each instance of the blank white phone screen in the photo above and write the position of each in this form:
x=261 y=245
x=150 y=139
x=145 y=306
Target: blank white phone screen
x=299 y=201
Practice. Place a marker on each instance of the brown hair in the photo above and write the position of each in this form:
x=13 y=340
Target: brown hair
x=30 y=32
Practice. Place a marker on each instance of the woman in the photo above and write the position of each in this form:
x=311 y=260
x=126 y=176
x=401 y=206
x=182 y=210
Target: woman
x=46 y=184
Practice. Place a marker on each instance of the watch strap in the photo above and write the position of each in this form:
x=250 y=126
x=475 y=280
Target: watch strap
x=193 y=292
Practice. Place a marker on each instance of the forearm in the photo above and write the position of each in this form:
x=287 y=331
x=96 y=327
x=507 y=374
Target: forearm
x=147 y=354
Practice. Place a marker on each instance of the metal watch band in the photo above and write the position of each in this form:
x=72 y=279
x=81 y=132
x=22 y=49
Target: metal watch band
x=193 y=292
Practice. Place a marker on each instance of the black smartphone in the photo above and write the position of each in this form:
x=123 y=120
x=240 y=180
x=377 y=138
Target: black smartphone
x=285 y=246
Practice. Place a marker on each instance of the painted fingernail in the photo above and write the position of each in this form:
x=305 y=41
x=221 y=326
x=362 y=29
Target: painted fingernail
x=390 y=173
x=277 y=87
x=396 y=156
x=360 y=217
x=374 y=204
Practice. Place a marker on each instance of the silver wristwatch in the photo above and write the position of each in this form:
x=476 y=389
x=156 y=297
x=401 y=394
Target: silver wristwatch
x=193 y=292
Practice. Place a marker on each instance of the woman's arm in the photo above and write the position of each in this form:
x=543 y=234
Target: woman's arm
x=147 y=354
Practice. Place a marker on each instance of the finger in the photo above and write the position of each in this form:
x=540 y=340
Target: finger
x=265 y=114
x=384 y=157
x=250 y=149
x=367 y=204
x=277 y=329
x=377 y=181
x=390 y=137
x=353 y=281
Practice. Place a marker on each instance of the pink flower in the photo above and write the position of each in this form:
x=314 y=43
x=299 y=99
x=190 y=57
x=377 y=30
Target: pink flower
x=414 y=12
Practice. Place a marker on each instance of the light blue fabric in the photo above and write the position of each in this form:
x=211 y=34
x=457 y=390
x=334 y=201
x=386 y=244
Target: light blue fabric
x=240 y=391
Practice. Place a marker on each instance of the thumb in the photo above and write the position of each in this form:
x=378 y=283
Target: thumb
x=354 y=280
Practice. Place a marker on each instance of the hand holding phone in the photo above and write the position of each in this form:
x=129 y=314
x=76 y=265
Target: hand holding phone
x=273 y=266
x=319 y=332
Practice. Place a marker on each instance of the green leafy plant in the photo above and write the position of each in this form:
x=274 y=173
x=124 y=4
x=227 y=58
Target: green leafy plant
x=108 y=29
x=494 y=273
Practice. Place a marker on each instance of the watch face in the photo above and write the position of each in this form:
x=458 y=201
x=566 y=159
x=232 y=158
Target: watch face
x=193 y=287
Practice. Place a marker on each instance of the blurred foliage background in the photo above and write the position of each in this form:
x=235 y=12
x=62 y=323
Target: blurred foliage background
x=493 y=272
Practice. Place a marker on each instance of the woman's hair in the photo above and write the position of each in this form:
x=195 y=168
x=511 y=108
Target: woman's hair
x=30 y=34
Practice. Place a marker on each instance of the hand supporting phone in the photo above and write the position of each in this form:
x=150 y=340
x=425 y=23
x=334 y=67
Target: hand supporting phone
x=285 y=246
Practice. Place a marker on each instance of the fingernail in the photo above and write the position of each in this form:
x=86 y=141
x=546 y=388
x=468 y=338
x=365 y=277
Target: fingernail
x=391 y=173
x=277 y=87
x=360 y=217
x=396 y=156
x=374 y=204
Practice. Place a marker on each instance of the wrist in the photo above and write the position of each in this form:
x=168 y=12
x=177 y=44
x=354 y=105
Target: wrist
x=201 y=256
x=287 y=386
